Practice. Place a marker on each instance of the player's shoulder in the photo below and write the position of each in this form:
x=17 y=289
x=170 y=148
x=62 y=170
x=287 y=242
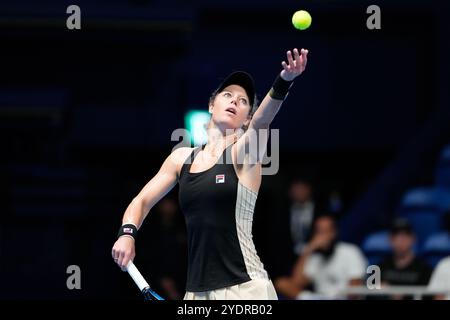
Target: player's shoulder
x=179 y=155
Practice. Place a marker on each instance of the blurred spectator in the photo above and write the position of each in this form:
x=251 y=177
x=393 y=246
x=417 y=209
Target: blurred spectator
x=327 y=264
x=440 y=279
x=301 y=213
x=403 y=267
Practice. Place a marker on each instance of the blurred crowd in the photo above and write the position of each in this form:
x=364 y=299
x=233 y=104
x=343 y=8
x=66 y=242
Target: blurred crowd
x=324 y=267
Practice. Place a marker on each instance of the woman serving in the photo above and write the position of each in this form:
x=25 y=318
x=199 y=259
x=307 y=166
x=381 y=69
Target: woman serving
x=218 y=188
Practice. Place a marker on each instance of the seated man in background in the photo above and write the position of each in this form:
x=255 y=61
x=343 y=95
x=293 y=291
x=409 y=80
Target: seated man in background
x=327 y=264
x=403 y=267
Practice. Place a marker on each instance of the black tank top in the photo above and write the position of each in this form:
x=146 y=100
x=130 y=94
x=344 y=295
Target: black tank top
x=208 y=202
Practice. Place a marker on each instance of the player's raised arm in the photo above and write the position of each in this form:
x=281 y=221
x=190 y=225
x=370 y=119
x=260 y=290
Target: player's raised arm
x=269 y=107
x=295 y=65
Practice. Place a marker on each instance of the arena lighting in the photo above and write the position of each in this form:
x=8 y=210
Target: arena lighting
x=195 y=122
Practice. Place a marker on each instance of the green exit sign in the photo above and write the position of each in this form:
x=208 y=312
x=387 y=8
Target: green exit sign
x=196 y=122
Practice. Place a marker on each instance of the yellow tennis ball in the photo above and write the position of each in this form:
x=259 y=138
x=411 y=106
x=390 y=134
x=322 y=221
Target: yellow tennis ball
x=301 y=19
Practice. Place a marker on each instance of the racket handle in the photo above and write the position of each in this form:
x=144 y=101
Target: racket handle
x=137 y=276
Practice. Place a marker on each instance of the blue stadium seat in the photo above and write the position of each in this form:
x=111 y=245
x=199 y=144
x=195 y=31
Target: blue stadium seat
x=433 y=198
x=376 y=246
x=442 y=196
x=421 y=199
x=425 y=224
x=436 y=247
x=423 y=207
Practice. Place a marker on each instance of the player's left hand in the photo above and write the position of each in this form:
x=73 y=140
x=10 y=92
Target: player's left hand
x=296 y=64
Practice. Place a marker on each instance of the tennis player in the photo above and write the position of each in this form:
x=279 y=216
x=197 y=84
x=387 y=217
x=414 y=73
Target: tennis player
x=218 y=191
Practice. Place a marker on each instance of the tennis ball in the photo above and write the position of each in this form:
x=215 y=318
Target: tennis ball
x=301 y=19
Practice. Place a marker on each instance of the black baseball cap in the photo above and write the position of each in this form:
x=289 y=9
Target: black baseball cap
x=401 y=225
x=243 y=79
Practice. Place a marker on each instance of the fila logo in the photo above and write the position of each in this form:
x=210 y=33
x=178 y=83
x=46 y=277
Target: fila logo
x=220 y=178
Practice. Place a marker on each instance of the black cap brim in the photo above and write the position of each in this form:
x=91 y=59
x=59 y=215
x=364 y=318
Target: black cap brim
x=243 y=79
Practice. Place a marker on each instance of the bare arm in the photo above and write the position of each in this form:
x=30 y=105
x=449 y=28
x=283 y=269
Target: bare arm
x=270 y=106
x=153 y=191
x=298 y=272
x=124 y=248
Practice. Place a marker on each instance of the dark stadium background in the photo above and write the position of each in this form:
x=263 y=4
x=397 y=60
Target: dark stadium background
x=86 y=118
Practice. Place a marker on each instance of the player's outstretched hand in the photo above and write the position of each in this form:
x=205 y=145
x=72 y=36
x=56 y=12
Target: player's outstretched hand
x=295 y=65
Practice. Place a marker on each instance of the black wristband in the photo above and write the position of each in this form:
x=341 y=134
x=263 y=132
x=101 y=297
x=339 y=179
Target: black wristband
x=128 y=230
x=280 y=88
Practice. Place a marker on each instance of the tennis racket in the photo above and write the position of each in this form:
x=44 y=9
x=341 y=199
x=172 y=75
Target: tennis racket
x=148 y=293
